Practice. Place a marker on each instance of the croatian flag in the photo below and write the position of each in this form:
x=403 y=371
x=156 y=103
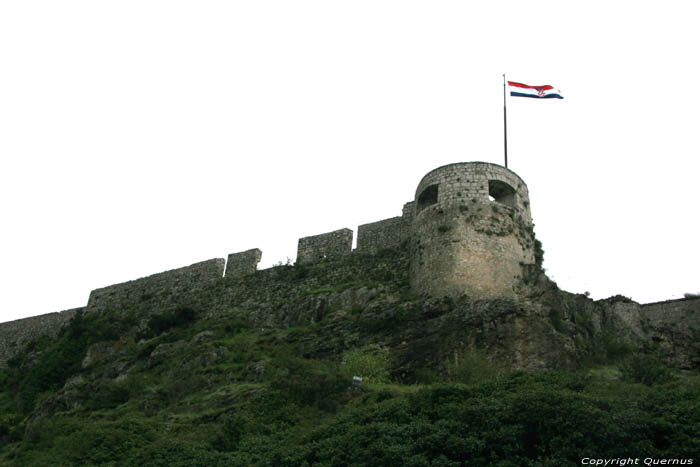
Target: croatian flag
x=538 y=92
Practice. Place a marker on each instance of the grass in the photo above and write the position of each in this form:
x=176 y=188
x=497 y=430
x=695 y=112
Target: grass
x=189 y=408
x=255 y=422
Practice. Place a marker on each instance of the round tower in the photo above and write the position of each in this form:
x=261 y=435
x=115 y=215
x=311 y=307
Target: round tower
x=472 y=232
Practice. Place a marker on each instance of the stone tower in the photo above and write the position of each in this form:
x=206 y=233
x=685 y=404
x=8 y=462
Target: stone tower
x=472 y=232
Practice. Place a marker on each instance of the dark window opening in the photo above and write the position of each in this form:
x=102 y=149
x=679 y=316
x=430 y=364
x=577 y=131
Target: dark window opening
x=428 y=197
x=501 y=192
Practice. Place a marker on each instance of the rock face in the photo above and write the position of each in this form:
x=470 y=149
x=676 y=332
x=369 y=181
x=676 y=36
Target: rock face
x=472 y=232
x=673 y=330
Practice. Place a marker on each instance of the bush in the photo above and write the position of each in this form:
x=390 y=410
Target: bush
x=470 y=366
x=310 y=382
x=161 y=322
x=539 y=254
x=109 y=395
x=370 y=362
x=52 y=369
x=645 y=369
x=174 y=453
x=232 y=431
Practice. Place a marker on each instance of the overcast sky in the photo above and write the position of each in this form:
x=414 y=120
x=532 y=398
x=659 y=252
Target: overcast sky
x=142 y=136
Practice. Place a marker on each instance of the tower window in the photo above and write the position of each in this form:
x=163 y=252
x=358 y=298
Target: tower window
x=428 y=197
x=501 y=192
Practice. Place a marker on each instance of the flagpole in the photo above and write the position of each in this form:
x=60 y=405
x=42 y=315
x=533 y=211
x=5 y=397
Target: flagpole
x=505 y=131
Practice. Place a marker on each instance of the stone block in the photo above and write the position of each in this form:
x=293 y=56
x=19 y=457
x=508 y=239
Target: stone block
x=243 y=263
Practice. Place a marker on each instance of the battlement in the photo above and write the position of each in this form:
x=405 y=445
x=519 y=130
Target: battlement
x=242 y=264
x=182 y=286
x=164 y=284
x=468 y=230
x=331 y=245
x=471 y=186
x=471 y=232
x=473 y=182
x=385 y=234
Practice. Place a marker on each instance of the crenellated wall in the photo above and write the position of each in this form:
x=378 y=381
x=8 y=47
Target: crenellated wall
x=331 y=245
x=376 y=236
x=469 y=231
x=243 y=263
x=385 y=234
x=171 y=284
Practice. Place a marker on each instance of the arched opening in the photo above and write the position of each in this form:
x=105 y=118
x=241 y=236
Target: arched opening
x=428 y=197
x=501 y=192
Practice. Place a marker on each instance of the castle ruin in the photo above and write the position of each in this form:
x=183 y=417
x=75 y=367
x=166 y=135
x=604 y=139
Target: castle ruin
x=468 y=232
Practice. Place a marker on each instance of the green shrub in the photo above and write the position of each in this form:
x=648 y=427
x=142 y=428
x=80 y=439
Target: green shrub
x=161 y=322
x=175 y=453
x=427 y=376
x=370 y=362
x=232 y=430
x=555 y=317
x=470 y=366
x=109 y=395
x=539 y=254
x=612 y=347
x=309 y=382
x=645 y=369
x=60 y=360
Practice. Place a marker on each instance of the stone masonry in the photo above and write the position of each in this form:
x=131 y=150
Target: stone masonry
x=472 y=232
x=385 y=234
x=172 y=284
x=331 y=245
x=242 y=264
x=674 y=326
x=14 y=335
x=469 y=231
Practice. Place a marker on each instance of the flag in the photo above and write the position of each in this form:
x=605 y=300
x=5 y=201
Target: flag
x=538 y=92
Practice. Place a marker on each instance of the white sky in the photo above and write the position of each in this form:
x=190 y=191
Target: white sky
x=142 y=136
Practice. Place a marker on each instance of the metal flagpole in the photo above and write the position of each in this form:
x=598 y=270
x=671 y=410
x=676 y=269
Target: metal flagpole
x=505 y=131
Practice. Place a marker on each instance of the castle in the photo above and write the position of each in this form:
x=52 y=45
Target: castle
x=468 y=232
x=469 y=228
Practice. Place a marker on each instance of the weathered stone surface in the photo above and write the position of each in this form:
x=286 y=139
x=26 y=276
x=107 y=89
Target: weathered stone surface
x=170 y=285
x=472 y=232
x=673 y=327
x=14 y=335
x=471 y=254
x=331 y=245
x=98 y=352
x=389 y=233
x=243 y=263
x=376 y=236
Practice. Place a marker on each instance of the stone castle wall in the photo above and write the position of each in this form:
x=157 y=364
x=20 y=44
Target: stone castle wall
x=14 y=335
x=331 y=245
x=469 y=231
x=474 y=182
x=376 y=236
x=472 y=232
x=179 y=286
x=674 y=326
x=242 y=264
x=170 y=284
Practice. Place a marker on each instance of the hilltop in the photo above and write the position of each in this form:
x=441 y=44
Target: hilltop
x=259 y=370
x=439 y=340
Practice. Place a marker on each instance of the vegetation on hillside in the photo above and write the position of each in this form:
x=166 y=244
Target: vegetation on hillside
x=182 y=386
